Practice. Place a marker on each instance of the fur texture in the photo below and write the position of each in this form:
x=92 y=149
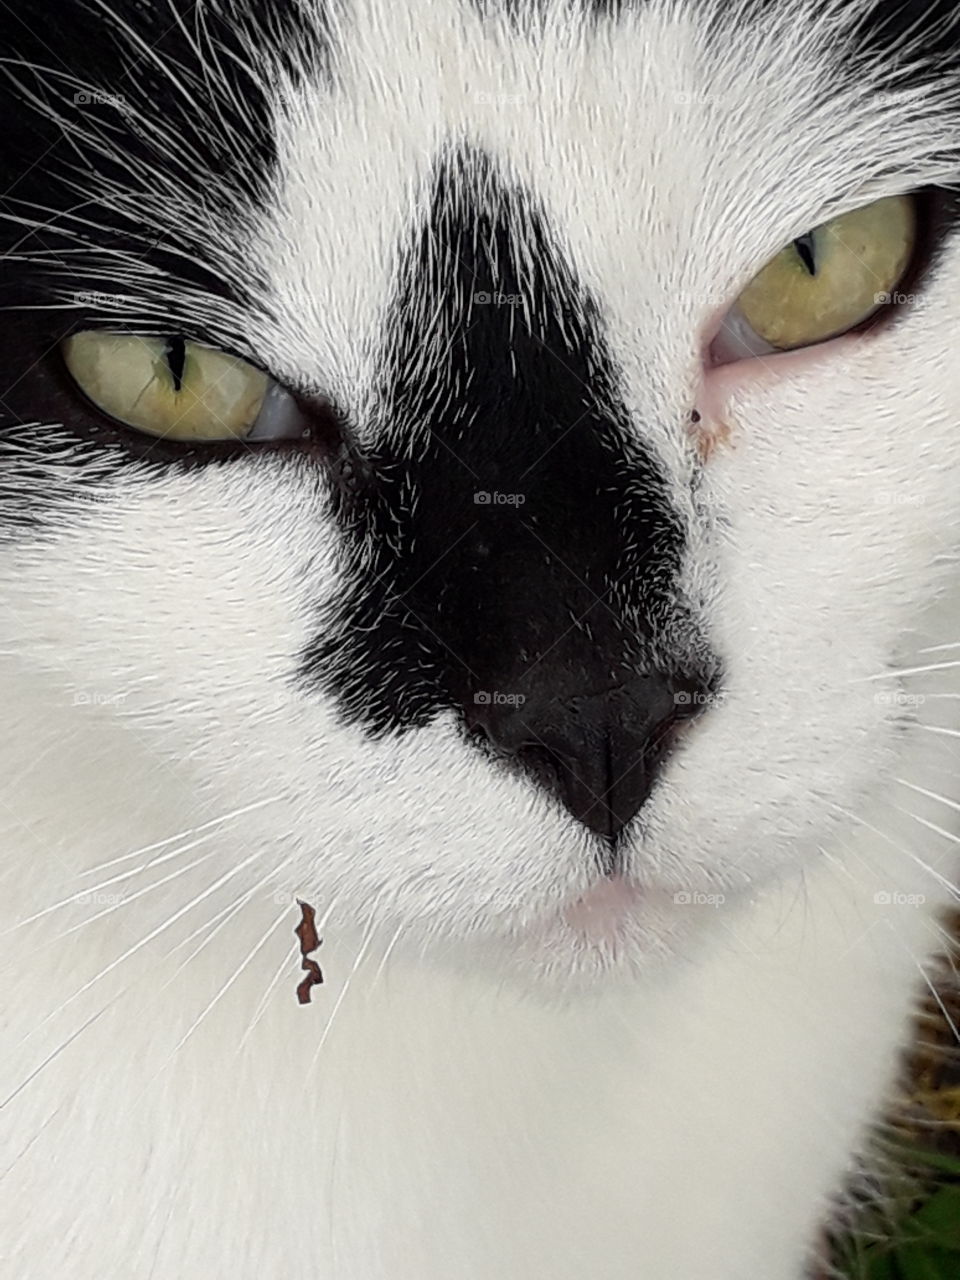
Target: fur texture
x=489 y=1085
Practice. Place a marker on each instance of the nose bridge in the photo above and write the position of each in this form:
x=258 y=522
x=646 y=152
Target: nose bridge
x=514 y=549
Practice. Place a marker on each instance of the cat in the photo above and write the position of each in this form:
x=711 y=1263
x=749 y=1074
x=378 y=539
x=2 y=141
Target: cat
x=486 y=474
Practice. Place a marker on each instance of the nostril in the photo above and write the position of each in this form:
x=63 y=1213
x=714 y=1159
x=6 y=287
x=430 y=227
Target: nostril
x=599 y=753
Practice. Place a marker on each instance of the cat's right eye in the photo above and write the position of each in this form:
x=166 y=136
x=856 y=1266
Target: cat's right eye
x=179 y=390
x=825 y=283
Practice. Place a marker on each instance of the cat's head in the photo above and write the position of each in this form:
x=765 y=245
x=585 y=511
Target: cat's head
x=599 y=410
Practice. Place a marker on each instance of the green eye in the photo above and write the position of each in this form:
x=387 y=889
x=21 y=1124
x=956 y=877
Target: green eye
x=167 y=387
x=834 y=277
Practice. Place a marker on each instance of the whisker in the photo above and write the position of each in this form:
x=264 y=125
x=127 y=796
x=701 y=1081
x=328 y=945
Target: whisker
x=56 y=1052
x=838 y=864
x=364 y=946
x=150 y=888
x=933 y=795
x=227 y=913
x=386 y=956
x=219 y=996
x=17 y=1158
x=204 y=826
x=951 y=888
x=939 y=999
x=261 y=1008
x=894 y=674
x=154 y=933
x=86 y=893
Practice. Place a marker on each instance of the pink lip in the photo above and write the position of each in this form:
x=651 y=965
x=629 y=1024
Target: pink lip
x=600 y=912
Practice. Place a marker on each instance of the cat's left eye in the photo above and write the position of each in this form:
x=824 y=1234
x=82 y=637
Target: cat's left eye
x=825 y=283
x=179 y=390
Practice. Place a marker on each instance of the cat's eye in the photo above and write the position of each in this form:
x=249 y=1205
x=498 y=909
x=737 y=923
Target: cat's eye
x=179 y=390
x=825 y=283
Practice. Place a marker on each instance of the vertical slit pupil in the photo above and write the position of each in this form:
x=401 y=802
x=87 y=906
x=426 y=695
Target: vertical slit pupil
x=176 y=354
x=805 y=252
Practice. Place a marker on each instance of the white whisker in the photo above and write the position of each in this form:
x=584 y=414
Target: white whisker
x=219 y=996
x=210 y=933
x=190 y=831
x=361 y=953
x=386 y=956
x=895 y=674
x=86 y=893
x=908 y=853
x=933 y=795
x=154 y=933
x=56 y=1052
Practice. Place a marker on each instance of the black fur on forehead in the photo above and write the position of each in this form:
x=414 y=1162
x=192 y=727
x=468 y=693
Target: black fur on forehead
x=511 y=533
x=138 y=134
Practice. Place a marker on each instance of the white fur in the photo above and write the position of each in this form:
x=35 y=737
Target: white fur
x=476 y=1092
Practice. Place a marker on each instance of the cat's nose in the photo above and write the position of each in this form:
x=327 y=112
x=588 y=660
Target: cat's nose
x=600 y=753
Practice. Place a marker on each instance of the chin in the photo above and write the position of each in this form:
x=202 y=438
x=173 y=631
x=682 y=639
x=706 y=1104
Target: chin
x=615 y=932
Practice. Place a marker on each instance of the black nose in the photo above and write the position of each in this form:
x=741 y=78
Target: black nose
x=599 y=753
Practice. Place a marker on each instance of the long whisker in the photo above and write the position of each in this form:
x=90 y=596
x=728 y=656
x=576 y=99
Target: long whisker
x=154 y=933
x=925 y=866
x=219 y=996
x=386 y=956
x=56 y=1052
x=191 y=831
x=895 y=673
x=227 y=913
x=20 y=1154
x=361 y=954
x=261 y=1008
x=933 y=795
x=85 y=893
x=150 y=888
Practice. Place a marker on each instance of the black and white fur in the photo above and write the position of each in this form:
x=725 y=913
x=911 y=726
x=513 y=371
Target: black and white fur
x=482 y=244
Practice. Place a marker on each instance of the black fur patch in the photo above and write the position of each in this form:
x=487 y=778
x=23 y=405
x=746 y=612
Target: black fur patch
x=514 y=553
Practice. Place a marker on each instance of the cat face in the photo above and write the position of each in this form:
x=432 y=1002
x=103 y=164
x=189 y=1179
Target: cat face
x=550 y=573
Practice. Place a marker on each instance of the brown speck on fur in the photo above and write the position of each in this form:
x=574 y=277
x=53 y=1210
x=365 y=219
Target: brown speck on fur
x=711 y=438
x=306 y=931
